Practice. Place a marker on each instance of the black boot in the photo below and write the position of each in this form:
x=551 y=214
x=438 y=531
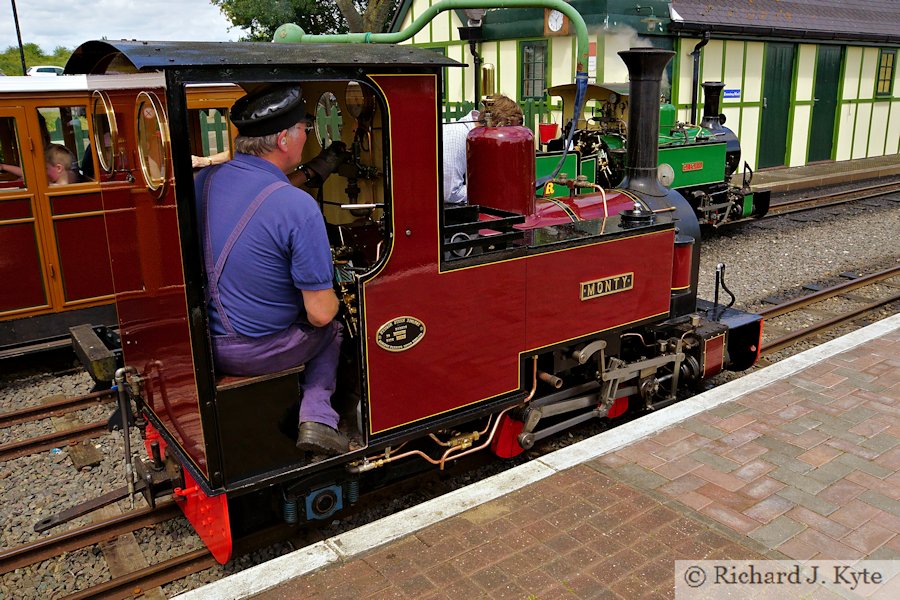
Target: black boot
x=321 y=439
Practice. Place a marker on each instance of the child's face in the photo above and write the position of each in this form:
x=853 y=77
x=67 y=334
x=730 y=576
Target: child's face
x=53 y=172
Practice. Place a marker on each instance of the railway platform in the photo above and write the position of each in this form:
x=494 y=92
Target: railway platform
x=822 y=174
x=799 y=460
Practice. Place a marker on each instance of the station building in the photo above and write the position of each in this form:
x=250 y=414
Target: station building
x=805 y=80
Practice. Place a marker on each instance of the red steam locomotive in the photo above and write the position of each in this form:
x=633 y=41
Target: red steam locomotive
x=488 y=326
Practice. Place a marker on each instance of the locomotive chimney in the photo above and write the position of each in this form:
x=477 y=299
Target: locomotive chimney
x=712 y=97
x=645 y=69
x=714 y=121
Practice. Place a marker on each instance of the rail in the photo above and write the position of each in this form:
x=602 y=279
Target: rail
x=53 y=409
x=796 y=205
x=68 y=541
x=780 y=343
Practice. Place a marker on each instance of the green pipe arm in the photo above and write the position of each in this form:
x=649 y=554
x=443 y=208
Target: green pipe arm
x=291 y=32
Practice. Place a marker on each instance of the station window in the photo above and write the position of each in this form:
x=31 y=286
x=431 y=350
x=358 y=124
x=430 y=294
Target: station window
x=534 y=73
x=11 y=177
x=66 y=142
x=886 y=68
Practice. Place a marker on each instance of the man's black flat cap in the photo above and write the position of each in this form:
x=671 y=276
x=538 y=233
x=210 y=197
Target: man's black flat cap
x=267 y=111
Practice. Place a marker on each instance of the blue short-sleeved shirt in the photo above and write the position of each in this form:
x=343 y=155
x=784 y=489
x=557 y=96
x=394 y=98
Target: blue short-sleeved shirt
x=283 y=249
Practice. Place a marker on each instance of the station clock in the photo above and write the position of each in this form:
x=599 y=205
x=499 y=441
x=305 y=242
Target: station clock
x=555 y=23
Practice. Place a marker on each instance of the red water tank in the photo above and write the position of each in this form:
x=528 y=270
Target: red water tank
x=500 y=163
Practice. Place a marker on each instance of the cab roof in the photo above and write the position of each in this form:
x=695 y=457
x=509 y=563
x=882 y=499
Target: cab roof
x=97 y=56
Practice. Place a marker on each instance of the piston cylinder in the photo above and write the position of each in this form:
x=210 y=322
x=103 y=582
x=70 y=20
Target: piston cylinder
x=500 y=167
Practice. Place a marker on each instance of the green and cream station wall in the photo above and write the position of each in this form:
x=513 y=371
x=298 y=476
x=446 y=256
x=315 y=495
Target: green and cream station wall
x=866 y=125
x=605 y=66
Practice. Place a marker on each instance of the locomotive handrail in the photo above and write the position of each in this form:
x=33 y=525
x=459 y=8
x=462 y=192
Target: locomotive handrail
x=291 y=32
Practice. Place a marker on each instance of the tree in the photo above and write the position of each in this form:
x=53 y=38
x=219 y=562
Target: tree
x=375 y=16
x=11 y=64
x=260 y=18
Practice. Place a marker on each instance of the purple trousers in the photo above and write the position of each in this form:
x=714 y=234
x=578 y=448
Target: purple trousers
x=317 y=347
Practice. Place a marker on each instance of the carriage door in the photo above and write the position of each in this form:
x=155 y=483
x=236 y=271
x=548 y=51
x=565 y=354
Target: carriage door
x=23 y=270
x=825 y=97
x=777 y=83
x=75 y=228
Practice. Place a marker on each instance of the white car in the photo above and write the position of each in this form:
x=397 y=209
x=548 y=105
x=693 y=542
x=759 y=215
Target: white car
x=45 y=70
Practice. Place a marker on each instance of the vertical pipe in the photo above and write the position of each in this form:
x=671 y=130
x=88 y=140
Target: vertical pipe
x=645 y=69
x=695 y=79
x=123 y=411
x=476 y=55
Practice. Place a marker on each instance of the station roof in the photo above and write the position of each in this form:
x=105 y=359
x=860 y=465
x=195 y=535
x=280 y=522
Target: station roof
x=96 y=56
x=872 y=21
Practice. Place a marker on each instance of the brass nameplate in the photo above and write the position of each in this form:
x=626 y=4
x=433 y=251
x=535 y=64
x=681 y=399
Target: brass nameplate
x=400 y=334
x=606 y=286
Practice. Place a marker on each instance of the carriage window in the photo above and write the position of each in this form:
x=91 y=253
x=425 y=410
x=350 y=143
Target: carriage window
x=105 y=131
x=66 y=144
x=153 y=141
x=11 y=175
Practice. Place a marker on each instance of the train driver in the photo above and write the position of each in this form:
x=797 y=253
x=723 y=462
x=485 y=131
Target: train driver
x=503 y=111
x=271 y=301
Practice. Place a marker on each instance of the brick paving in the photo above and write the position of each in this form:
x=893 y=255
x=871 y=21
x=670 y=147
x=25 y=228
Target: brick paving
x=806 y=467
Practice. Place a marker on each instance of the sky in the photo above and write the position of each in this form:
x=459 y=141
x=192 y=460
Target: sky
x=69 y=23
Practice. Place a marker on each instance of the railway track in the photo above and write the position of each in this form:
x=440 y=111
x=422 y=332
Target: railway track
x=833 y=198
x=154 y=576
x=68 y=541
x=54 y=408
x=860 y=306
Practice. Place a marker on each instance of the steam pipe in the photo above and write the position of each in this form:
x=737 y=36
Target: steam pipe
x=550 y=379
x=376 y=462
x=695 y=78
x=291 y=32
